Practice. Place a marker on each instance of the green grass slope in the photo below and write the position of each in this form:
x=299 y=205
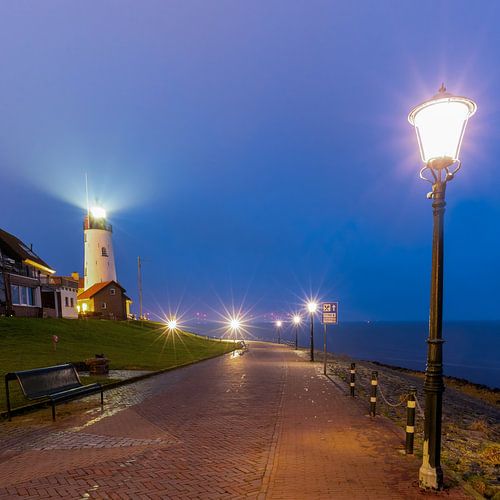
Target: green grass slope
x=27 y=343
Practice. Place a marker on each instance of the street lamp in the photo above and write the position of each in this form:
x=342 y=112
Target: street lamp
x=172 y=325
x=312 y=307
x=234 y=325
x=296 y=321
x=440 y=125
x=279 y=324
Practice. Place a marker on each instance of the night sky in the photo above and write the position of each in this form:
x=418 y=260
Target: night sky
x=254 y=152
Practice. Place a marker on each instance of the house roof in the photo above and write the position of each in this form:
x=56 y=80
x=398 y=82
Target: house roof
x=95 y=288
x=23 y=252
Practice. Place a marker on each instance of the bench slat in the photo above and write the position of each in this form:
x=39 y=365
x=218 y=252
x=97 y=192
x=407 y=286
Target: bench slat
x=46 y=381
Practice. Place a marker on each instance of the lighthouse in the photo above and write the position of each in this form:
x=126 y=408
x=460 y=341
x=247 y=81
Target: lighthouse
x=99 y=261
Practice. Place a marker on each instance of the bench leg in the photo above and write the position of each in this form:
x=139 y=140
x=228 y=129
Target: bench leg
x=7 y=396
x=53 y=411
x=102 y=399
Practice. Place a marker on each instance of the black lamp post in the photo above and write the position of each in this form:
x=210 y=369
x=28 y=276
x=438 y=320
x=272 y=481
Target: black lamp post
x=279 y=324
x=440 y=125
x=312 y=307
x=296 y=321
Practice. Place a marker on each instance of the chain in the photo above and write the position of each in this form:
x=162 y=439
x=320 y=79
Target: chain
x=387 y=402
x=420 y=411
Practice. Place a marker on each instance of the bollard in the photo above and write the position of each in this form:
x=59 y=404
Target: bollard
x=352 y=383
x=373 y=396
x=410 y=420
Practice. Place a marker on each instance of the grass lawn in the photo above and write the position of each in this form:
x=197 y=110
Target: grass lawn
x=27 y=343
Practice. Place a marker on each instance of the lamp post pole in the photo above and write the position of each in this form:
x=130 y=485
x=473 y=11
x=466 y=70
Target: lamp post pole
x=312 y=336
x=296 y=337
x=440 y=125
x=431 y=471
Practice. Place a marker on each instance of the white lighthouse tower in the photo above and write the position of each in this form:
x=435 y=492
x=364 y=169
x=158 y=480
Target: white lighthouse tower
x=99 y=256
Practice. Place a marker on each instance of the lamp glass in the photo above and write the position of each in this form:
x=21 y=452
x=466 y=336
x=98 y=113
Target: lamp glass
x=312 y=306
x=98 y=212
x=440 y=126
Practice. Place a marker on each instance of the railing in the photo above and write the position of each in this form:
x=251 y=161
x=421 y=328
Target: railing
x=59 y=280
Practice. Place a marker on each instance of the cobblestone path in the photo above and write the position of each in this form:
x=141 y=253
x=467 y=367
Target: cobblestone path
x=263 y=425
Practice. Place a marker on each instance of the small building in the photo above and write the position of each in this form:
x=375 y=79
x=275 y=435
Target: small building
x=106 y=300
x=59 y=296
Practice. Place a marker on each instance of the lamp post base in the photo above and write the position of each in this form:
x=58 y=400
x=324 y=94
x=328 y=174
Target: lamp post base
x=429 y=476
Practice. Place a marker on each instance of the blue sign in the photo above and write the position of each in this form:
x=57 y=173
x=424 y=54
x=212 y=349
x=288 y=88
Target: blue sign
x=329 y=313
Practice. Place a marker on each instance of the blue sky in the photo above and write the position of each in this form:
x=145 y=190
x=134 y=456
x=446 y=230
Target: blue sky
x=253 y=152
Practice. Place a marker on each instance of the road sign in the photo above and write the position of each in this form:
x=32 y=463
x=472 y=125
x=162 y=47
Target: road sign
x=329 y=313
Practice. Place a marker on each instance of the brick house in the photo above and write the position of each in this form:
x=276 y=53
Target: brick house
x=106 y=300
x=21 y=270
x=28 y=287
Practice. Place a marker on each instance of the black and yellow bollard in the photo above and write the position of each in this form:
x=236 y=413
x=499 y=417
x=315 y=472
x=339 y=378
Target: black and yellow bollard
x=352 y=383
x=410 y=421
x=373 y=396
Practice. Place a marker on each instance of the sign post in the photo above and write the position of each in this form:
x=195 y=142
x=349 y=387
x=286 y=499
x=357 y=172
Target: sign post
x=329 y=316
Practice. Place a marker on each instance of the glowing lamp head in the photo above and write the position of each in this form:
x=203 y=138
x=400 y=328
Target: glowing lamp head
x=440 y=125
x=98 y=212
x=279 y=324
x=312 y=307
x=172 y=324
x=297 y=319
x=234 y=324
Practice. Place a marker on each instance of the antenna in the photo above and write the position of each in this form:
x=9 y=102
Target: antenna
x=87 y=197
x=139 y=285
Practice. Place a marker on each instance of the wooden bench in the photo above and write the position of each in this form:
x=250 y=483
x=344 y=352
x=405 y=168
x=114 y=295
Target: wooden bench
x=57 y=383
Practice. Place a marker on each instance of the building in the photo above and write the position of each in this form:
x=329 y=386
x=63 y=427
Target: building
x=99 y=260
x=28 y=285
x=21 y=272
x=59 y=296
x=106 y=300
x=101 y=296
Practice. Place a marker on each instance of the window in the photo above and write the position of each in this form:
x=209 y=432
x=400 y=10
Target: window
x=104 y=252
x=15 y=294
x=23 y=295
x=104 y=305
x=72 y=301
x=66 y=302
x=112 y=291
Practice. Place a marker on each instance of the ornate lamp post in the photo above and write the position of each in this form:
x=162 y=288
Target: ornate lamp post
x=440 y=125
x=296 y=321
x=279 y=324
x=312 y=307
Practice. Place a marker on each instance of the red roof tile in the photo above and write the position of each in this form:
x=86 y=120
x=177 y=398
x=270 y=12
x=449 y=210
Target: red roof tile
x=97 y=287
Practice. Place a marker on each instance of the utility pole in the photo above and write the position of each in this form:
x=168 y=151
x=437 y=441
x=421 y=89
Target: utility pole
x=139 y=285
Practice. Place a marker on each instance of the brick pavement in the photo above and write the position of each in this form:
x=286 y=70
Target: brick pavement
x=263 y=425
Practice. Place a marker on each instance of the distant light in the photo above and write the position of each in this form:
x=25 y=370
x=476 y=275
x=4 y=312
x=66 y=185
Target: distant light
x=279 y=324
x=312 y=307
x=172 y=324
x=234 y=324
x=98 y=212
x=297 y=319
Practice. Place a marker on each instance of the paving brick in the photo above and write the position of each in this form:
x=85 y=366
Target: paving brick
x=263 y=425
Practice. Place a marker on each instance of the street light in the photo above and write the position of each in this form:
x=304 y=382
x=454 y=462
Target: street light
x=279 y=324
x=296 y=321
x=234 y=324
x=440 y=125
x=312 y=307
x=172 y=325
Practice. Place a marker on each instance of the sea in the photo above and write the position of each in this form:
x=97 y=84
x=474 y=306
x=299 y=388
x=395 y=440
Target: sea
x=471 y=350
